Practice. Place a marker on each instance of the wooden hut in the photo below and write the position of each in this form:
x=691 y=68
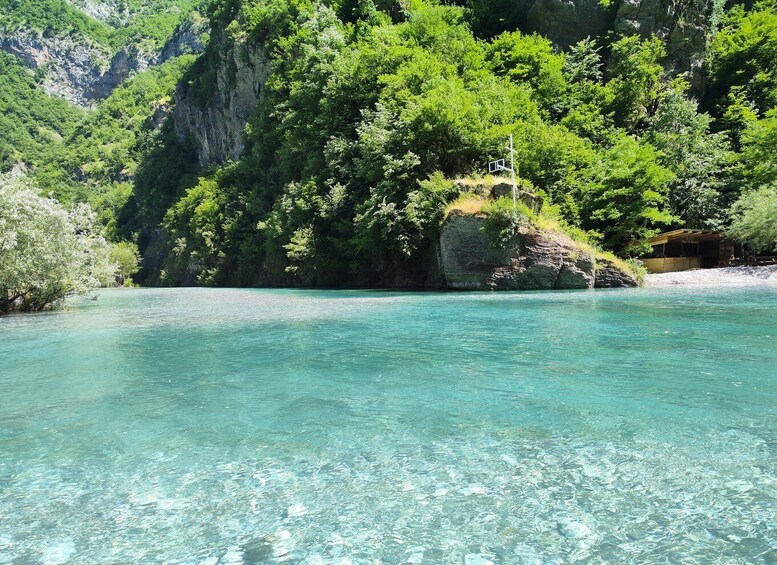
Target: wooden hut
x=680 y=250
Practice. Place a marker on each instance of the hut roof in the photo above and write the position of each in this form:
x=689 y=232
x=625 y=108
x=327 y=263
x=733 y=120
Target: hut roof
x=686 y=236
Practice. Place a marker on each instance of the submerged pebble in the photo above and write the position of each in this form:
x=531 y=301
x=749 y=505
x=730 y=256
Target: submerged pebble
x=611 y=445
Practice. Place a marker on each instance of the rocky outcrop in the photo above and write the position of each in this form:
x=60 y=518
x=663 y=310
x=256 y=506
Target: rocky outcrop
x=126 y=62
x=189 y=37
x=83 y=71
x=216 y=124
x=566 y=22
x=683 y=25
x=114 y=12
x=608 y=275
x=70 y=66
x=543 y=261
x=467 y=257
x=532 y=260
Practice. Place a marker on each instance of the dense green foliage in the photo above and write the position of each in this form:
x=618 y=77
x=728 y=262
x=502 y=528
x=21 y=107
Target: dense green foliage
x=743 y=60
x=754 y=218
x=356 y=116
x=51 y=17
x=371 y=108
x=30 y=121
x=126 y=257
x=46 y=251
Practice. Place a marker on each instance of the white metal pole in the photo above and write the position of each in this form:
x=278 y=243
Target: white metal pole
x=512 y=170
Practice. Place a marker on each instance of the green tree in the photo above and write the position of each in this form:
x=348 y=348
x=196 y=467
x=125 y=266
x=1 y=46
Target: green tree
x=46 y=252
x=627 y=203
x=754 y=219
x=126 y=257
x=530 y=59
x=759 y=151
x=698 y=158
x=743 y=57
x=635 y=77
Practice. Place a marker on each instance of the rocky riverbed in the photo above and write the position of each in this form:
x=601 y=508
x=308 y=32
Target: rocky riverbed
x=728 y=276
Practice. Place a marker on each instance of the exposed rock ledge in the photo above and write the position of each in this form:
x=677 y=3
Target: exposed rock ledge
x=532 y=260
x=216 y=126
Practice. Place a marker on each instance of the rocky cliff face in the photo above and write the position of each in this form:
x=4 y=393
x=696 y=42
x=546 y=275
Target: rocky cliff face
x=566 y=22
x=215 y=126
x=71 y=67
x=83 y=71
x=125 y=63
x=114 y=12
x=683 y=25
x=532 y=260
x=187 y=38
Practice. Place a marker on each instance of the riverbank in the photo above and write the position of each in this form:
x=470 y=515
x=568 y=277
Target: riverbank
x=728 y=276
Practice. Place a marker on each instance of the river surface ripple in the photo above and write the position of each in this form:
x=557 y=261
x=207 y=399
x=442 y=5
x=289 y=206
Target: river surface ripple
x=267 y=426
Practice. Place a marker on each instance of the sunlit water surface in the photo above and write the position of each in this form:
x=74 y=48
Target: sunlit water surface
x=248 y=426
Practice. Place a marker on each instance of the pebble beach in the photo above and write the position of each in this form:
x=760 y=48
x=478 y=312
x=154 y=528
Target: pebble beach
x=727 y=276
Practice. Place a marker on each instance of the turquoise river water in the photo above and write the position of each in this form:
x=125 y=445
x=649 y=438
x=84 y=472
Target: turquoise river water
x=263 y=426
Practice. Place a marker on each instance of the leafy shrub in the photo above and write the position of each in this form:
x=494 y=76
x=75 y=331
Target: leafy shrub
x=46 y=252
x=126 y=257
x=755 y=219
x=503 y=219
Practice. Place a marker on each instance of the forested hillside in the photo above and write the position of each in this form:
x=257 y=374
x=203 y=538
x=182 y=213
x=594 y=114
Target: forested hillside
x=30 y=121
x=319 y=143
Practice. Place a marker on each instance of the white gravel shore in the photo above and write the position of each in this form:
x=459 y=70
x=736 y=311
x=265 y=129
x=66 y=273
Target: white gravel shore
x=728 y=276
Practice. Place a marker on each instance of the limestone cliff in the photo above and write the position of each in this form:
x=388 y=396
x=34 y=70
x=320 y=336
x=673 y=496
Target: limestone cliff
x=215 y=125
x=84 y=71
x=533 y=259
x=71 y=67
x=113 y=12
x=683 y=25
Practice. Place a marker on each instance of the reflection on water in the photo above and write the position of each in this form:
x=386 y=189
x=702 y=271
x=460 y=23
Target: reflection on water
x=245 y=426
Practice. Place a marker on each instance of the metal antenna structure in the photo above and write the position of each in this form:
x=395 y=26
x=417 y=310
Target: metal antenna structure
x=499 y=165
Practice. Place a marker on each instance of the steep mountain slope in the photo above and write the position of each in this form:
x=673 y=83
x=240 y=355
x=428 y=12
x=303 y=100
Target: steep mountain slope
x=318 y=143
x=363 y=112
x=98 y=159
x=83 y=59
x=30 y=121
x=84 y=155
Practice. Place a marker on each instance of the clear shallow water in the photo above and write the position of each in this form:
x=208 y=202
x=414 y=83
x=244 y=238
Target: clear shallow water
x=246 y=426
